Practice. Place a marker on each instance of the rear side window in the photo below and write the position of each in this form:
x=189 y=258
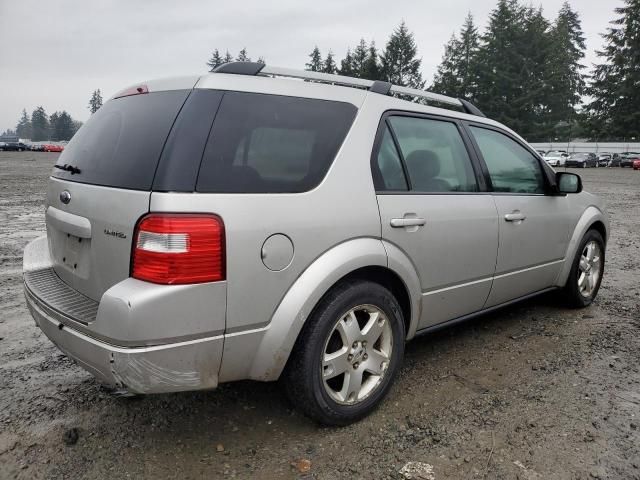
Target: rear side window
x=434 y=154
x=388 y=173
x=120 y=144
x=272 y=144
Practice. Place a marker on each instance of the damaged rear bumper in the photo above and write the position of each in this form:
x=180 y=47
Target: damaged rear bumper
x=190 y=365
x=92 y=333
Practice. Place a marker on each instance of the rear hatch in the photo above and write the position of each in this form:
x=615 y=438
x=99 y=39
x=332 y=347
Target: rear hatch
x=101 y=186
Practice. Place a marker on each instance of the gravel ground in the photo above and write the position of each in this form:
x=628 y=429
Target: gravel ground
x=534 y=391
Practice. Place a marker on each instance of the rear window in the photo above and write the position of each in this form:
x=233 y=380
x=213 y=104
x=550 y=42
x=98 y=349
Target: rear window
x=119 y=146
x=272 y=144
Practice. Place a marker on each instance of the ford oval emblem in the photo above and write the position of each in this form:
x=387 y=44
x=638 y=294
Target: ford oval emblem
x=65 y=197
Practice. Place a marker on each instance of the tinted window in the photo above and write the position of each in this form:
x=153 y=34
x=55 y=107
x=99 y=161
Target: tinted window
x=512 y=168
x=120 y=144
x=387 y=170
x=272 y=144
x=434 y=154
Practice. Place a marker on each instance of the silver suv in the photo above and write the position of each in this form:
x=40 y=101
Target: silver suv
x=264 y=223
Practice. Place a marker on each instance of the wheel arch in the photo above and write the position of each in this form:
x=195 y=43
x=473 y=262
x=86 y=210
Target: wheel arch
x=365 y=258
x=592 y=219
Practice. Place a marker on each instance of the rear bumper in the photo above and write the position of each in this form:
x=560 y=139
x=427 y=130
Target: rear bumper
x=191 y=364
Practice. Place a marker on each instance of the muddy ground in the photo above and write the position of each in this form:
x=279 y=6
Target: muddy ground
x=534 y=391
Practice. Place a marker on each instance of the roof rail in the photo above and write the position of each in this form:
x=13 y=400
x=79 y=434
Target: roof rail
x=377 y=86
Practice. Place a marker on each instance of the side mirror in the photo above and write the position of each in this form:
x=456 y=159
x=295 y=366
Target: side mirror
x=568 y=182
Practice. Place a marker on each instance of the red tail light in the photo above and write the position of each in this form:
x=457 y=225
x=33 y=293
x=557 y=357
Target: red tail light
x=178 y=249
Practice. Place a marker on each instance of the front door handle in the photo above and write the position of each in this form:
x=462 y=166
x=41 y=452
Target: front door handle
x=407 y=222
x=515 y=216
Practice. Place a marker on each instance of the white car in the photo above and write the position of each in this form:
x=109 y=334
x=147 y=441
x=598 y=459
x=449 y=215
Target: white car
x=555 y=158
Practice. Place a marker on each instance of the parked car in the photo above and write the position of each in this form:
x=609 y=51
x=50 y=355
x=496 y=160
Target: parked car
x=555 y=158
x=636 y=164
x=52 y=148
x=542 y=153
x=582 y=160
x=627 y=158
x=604 y=160
x=2 y=145
x=14 y=147
x=302 y=231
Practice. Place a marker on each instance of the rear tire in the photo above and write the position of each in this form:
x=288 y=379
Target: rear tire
x=347 y=354
x=586 y=272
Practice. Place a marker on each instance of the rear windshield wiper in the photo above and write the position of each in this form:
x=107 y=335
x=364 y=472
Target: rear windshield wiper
x=68 y=168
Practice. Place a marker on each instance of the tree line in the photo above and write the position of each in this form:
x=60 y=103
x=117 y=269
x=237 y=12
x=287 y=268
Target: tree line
x=523 y=70
x=59 y=126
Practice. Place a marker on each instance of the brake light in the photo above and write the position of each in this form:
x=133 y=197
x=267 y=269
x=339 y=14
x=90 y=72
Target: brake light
x=178 y=249
x=136 y=90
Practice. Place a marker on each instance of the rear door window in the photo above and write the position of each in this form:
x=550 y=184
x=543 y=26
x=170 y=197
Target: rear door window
x=120 y=144
x=272 y=144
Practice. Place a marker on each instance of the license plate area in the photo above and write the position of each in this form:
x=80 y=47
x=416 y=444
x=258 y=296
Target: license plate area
x=73 y=254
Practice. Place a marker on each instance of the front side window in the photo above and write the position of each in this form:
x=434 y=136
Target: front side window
x=434 y=154
x=272 y=144
x=512 y=168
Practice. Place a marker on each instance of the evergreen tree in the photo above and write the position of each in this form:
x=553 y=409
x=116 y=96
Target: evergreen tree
x=242 y=56
x=446 y=80
x=23 y=129
x=315 y=61
x=227 y=57
x=565 y=78
x=372 y=69
x=215 y=60
x=95 y=102
x=53 y=127
x=501 y=63
x=329 y=64
x=39 y=125
x=261 y=60
x=64 y=126
x=359 y=59
x=346 y=65
x=399 y=63
x=614 y=111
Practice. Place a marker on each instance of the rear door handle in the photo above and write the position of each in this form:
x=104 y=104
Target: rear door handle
x=407 y=222
x=515 y=216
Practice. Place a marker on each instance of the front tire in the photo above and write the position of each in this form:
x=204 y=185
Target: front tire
x=586 y=272
x=347 y=355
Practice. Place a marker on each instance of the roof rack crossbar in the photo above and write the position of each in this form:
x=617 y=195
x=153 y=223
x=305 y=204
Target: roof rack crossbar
x=374 y=86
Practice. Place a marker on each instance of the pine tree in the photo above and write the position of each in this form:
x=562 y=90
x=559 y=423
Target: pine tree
x=447 y=80
x=359 y=59
x=329 y=64
x=399 y=63
x=261 y=60
x=614 y=111
x=242 y=56
x=565 y=78
x=315 y=61
x=39 y=125
x=64 y=126
x=95 y=102
x=227 y=57
x=346 y=65
x=23 y=129
x=372 y=70
x=215 y=60
x=53 y=127
x=501 y=63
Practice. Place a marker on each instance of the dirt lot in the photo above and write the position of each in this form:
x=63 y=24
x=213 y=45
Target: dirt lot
x=534 y=391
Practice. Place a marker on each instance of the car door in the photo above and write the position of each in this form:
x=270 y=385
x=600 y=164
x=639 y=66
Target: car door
x=533 y=222
x=433 y=208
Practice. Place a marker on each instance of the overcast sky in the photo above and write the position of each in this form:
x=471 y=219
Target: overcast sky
x=55 y=53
